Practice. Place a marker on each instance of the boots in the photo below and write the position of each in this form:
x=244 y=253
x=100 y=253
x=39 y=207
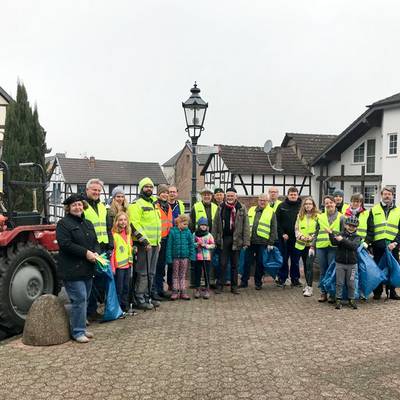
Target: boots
x=338 y=304
x=353 y=304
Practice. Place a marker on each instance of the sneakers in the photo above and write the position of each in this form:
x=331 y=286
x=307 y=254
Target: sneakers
x=338 y=304
x=174 y=296
x=308 y=291
x=185 y=296
x=82 y=339
x=89 y=335
x=353 y=304
x=206 y=294
x=323 y=298
x=197 y=294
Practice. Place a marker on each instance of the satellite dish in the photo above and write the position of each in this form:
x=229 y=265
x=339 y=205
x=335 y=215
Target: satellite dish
x=268 y=146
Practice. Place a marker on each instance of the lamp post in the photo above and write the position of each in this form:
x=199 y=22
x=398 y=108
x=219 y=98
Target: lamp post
x=195 y=112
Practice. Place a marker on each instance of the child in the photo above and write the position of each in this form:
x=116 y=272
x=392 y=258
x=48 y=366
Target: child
x=180 y=250
x=204 y=242
x=121 y=259
x=347 y=242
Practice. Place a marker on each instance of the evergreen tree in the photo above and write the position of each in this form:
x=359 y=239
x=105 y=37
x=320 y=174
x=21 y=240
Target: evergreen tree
x=24 y=141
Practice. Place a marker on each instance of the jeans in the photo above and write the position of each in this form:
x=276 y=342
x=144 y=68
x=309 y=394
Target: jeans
x=78 y=293
x=289 y=251
x=253 y=252
x=199 y=267
x=158 y=284
x=145 y=271
x=122 y=277
x=325 y=257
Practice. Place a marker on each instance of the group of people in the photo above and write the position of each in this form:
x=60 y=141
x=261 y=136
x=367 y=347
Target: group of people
x=154 y=238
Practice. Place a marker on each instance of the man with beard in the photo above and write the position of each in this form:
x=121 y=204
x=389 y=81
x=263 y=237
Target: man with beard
x=144 y=218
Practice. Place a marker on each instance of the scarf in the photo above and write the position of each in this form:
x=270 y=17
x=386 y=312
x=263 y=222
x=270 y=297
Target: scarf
x=232 y=208
x=200 y=233
x=354 y=211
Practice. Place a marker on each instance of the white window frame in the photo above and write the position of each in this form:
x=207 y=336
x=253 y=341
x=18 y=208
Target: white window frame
x=388 y=144
x=357 y=189
x=364 y=157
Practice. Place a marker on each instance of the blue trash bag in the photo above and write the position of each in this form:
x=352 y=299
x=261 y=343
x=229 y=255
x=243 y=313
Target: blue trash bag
x=391 y=268
x=329 y=283
x=272 y=261
x=112 y=310
x=369 y=273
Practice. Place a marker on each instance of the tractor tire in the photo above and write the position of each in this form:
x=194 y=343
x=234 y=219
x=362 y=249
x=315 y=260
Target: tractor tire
x=27 y=272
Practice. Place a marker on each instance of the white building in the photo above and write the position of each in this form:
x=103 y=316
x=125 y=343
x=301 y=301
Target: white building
x=5 y=100
x=365 y=156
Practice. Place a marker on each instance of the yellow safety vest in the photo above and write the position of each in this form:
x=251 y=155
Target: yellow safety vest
x=98 y=221
x=276 y=204
x=200 y=211
x=123 y=250
x=345 y=206
x=264 y=224
x=307 y=227
x=145 y=218
x=323 y=237
x=385 y=228
x=181 y=206
x=362 y=223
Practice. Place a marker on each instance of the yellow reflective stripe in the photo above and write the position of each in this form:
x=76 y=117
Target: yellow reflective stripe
x=263 y=224
x=123 y=262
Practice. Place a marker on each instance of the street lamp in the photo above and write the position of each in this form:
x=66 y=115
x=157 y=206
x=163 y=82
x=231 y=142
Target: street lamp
x=195 y=112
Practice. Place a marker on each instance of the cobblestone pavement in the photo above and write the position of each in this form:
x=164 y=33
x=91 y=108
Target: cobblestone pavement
x=268 y=344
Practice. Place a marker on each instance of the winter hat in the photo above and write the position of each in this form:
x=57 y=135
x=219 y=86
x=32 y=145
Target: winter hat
x=117 y=190
x=144 y=182
x=338 y=192
x=218 y=190
x=162 y=188
x=73 y=199
x=231 y=189
x=206 y=190
x=202 y=221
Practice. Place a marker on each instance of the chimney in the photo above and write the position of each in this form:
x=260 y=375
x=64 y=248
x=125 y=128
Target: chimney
x=278 y=158
x=92 y=162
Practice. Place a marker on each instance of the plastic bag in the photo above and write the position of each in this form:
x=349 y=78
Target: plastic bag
x=391 y=268
x=272 y=261
x=112 y=310
x=369 y=273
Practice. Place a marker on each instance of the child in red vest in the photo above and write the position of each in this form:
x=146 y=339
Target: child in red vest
x=121 y=260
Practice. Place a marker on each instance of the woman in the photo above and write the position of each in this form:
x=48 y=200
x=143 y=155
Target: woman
x=118 y=204
x=76 y=263
x=305 y=226
x=357 y=209
x=329 y=220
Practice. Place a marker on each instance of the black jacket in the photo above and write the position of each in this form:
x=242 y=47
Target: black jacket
x=75 y=236
x=286 y=215
x=346 y=252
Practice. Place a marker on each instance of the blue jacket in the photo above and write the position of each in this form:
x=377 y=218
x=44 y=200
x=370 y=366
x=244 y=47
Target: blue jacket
x=180 y=245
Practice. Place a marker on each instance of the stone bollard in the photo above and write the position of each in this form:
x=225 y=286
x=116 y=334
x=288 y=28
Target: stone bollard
x=47 y=322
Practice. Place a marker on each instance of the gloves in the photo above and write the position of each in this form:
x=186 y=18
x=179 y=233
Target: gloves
x=365 y=245
x=270 y=248
x=311 y=253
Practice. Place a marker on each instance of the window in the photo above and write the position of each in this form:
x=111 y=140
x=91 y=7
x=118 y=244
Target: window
x=81 y=188
x=393 y=143
x=358 y=154
x=369 y=194
x=370 y=156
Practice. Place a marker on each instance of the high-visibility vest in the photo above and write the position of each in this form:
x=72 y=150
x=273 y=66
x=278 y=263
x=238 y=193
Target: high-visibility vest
x=200 y=211
x=276 y=204
x=123 y=250
x=323 y=237
x=166 y=220
x=145 y=218
x=99 y=221
x=385 y=228
x=307 y=227
x=181 y=206
x=264 y=223
x=345 y=206
x=362 y=222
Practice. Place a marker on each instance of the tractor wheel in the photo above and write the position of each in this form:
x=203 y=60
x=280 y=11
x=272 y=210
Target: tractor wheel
x=27 y=272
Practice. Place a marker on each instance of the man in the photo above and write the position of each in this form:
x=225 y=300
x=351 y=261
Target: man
x=96 y=213
x=146 y=230
x=274 y=201
x=383 y=231
x=286 y=215
x=178 y=208
x=231 y=233
x=263 y=231
x=204 y=208
x=219 y=196
x=338 y=195
x=165 y=210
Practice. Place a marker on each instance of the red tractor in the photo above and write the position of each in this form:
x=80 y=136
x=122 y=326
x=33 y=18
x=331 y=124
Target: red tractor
x=28 y=248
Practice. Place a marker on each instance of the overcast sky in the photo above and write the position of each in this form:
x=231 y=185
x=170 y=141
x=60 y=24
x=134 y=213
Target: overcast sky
x=109 y=77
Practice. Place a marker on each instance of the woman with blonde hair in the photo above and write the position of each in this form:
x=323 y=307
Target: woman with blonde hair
x=305 y=230
x=118 y=203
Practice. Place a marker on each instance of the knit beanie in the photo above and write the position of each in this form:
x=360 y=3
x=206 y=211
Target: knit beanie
x=144 y=182
x=202 y=221
x=162 y=188
x=338 y=192
x=117 y=190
